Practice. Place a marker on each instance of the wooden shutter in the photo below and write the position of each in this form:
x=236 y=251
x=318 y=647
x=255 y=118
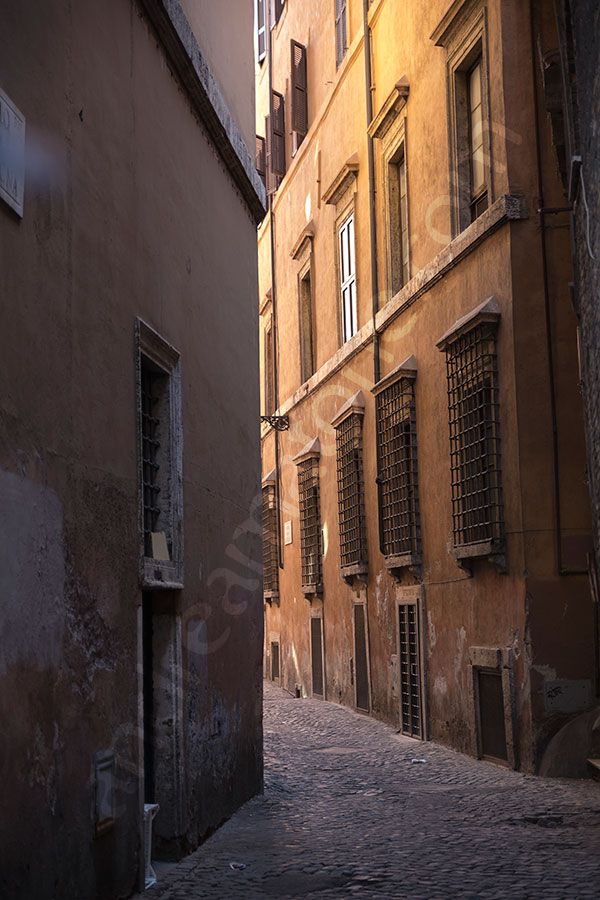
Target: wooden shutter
x=299 y=89
x=261 y=156
x=277 y=134
x=277 y=10
x=340 y=30
x=261 y=30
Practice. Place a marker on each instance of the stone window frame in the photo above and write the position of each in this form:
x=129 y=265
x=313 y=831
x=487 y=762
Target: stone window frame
x=311 y=453
x=343 y=224
x=267 y=341
x=303 y=253
x=498 y=660
x=463 y=33
x=163 y=574
x=493 y=548
x=341 y=194
x=389 y=127
x=353 y=408
x=407 y=372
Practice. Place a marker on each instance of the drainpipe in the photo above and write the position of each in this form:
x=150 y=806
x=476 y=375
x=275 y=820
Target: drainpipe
x=274 y=303
x=372 y=190
x=374 y=278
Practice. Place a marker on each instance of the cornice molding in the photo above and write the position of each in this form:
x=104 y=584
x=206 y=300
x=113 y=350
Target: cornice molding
x=488 y=311
x=342 y=180
x=390 y=110
x=181 y=47
x=355 y=405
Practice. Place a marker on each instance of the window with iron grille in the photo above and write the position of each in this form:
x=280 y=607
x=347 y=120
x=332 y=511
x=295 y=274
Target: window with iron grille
x=475 y=437
x=154 y=384
x=160 y=460
x=351 y=508
x=310 y=524
x=397 y=469
x=270 y=541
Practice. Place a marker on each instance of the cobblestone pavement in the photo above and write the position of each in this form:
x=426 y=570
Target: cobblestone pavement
x=352 y=809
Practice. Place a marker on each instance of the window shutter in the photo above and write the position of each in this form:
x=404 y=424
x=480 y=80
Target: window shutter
x=261 y=154
x=277 y=10
x=277 y=134
x=340 y=30
x=299 y=89
x=261 y=31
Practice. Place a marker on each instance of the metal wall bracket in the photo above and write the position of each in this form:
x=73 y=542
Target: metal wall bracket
x=279 y=423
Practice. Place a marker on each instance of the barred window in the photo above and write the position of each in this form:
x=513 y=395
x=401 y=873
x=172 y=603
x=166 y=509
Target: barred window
x=474 y=436
x=397 y=469
x=310 y=523
x=353 y=545
x=270 y=539
x=154 y=385
x=160 y=459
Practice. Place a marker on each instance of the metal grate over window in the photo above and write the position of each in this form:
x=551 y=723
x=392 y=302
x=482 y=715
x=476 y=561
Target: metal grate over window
x=151 y=392
x=270 y=561
x=474 y=437
x=410 y=670
x=351 y=507
x=310 y=522
x=397 y=469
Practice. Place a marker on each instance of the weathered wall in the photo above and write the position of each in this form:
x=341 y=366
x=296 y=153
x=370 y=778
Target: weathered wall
x=525 y=265
x=127 y=206
x=586 y=34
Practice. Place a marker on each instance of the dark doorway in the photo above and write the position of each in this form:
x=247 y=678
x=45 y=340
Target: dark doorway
x=274 y=661
x=148 y=696
x=411 y=722
x=491 y=715
x=316 y=647
x=360 y=657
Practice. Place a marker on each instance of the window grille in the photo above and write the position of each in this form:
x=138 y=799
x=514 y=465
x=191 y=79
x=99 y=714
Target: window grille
x=397 y=469
x=270 y=561
x=353 y=545
x=310 y=523
x=152 y=387
x=474 y=437
x=410 y=670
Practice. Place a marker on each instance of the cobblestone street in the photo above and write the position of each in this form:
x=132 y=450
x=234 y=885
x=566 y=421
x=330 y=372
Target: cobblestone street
x=352 y=809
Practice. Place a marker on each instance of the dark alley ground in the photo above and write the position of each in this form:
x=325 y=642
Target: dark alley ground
x=352 y=809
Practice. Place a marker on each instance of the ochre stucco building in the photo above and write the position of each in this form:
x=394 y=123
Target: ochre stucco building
x=130 y=553
x=425 y=506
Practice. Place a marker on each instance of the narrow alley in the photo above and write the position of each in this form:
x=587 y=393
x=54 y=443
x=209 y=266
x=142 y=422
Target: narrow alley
x=351 y=808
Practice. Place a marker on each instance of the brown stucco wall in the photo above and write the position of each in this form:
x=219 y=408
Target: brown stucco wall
x=540 y=597
x=129 y=211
